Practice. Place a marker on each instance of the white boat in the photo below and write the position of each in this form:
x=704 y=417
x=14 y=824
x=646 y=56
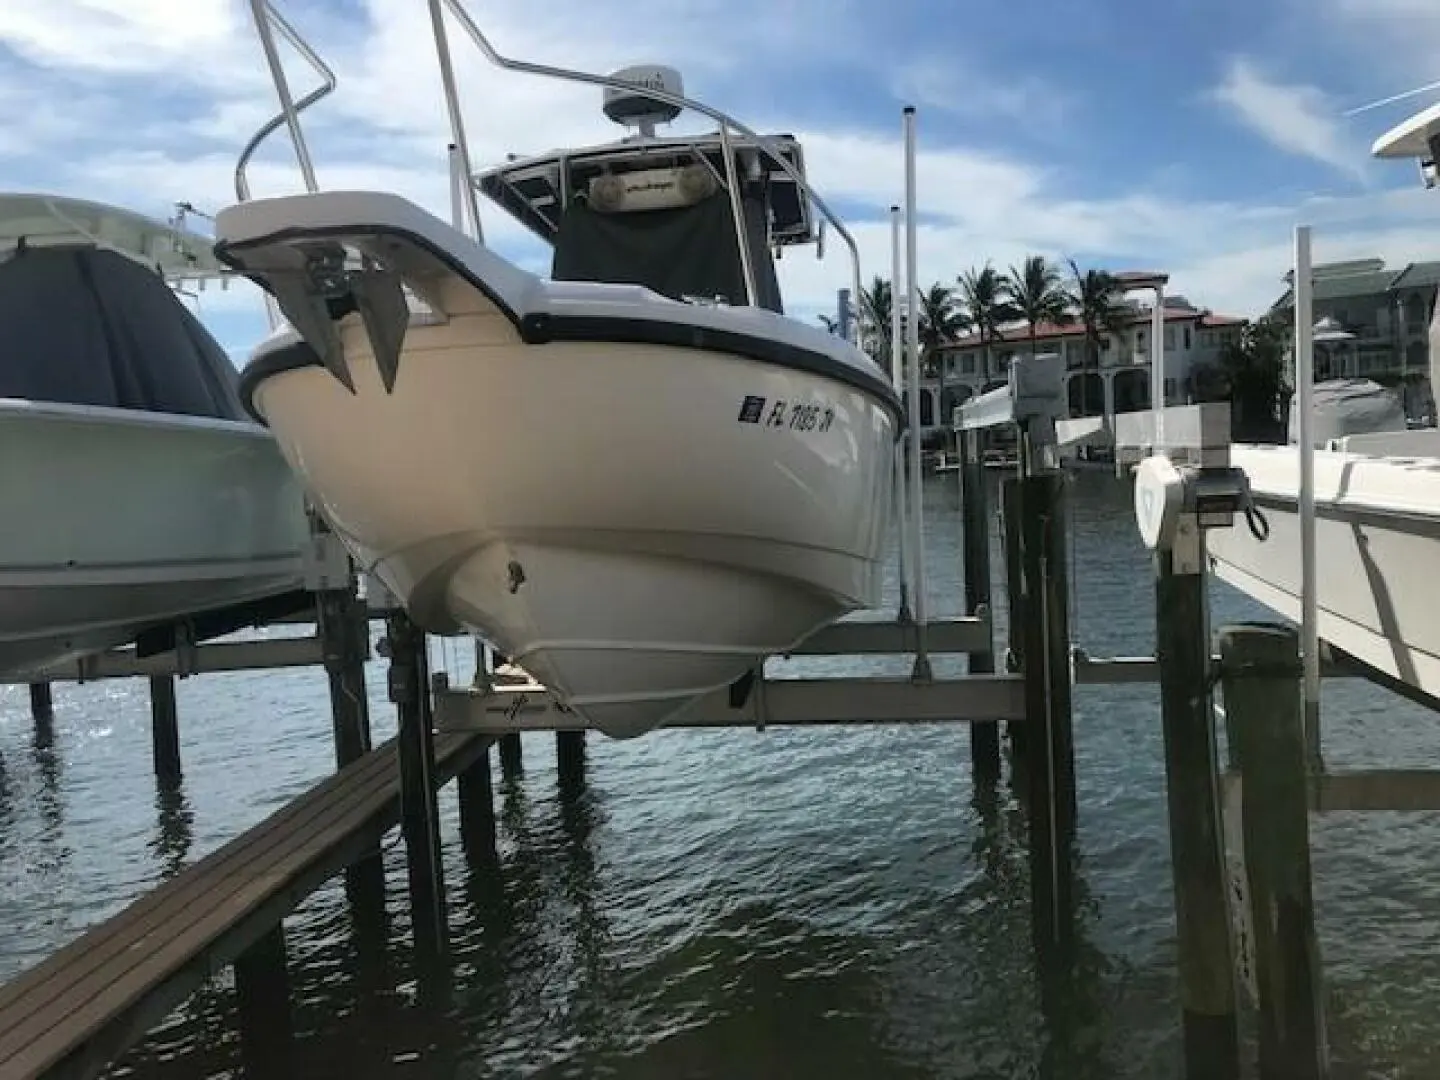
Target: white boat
x=1377 y=509
x=1377 y=534
x=136 y=492
x=718 y=487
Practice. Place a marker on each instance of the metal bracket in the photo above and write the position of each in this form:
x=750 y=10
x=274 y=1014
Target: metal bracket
x=325 y=563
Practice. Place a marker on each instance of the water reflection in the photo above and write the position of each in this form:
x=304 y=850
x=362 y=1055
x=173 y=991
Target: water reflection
x=174 y=832
x=49 y=800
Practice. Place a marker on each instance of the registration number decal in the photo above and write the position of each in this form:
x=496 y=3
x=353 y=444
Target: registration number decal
x=814 y=416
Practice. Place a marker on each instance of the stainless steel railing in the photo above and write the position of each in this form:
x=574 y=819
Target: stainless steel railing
x=727 y=125
x=268 y=22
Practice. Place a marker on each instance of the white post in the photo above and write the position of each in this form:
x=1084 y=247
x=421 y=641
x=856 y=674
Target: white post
x=457 y=188
x=912 y=354
x=897 y=347
x=1305 y=395
x=1157 y=368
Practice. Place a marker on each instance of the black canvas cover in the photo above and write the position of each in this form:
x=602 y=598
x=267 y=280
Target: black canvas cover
x=86 y=326
x=686 y=251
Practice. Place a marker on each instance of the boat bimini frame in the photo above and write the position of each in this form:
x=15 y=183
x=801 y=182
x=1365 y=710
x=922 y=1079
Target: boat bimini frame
x=268 y=21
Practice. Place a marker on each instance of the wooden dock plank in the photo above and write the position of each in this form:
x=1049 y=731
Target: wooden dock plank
x=73 y=1013
x=99 y=946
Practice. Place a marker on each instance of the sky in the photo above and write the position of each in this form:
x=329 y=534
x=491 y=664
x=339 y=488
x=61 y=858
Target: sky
x=1185 y=136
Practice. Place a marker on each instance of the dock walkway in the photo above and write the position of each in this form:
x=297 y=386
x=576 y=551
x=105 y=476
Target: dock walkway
x=73 y=1014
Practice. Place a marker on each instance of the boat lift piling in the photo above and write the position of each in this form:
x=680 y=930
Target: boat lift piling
x=42 y=710
x=409 y=685
x=1034 y=507
x=165 y=730
x=1262 y=677
x=262 y=999
x=1175 y=506
x=1015 y=609
x=512 y=763
x=342 y=623
x=975 y=559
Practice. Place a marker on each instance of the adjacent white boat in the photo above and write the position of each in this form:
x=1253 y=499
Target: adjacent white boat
x=719 y=485
x=1377 y=535
x=135 y=490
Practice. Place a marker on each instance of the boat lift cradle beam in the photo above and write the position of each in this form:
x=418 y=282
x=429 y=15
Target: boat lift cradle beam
x=807 y=702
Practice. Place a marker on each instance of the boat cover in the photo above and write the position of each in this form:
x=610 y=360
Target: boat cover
x=1350 y=407
x=685 y=251
x=81 y=325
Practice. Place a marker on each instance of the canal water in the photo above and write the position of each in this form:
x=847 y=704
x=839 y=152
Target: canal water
x=785 y=904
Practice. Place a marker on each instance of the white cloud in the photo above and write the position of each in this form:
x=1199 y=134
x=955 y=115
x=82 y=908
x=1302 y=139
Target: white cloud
x=1298 y=119
x=964 y=87
x=163 y=123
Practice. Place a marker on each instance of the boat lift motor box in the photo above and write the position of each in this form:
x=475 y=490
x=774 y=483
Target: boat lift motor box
x=1172 y=502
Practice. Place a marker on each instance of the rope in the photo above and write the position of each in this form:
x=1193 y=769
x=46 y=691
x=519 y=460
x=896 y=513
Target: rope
x=1259 y=527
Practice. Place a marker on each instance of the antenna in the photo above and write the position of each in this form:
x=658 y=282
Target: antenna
x=1392 y=99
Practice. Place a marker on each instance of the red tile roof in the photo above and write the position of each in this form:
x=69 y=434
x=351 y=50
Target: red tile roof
x=1047 y=331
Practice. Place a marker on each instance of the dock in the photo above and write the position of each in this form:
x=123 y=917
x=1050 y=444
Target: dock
x=78 y=1010
x=83 y=1008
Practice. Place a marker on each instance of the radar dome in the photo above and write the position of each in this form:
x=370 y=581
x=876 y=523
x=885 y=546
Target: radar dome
x=633 y=107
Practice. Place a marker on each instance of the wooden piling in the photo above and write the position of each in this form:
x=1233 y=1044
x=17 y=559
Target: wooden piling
x=1261 y=679
x=420 y=816
x=477 y=810
x=1049 y=743
x=511 y=763
x=570 y=756
x=164 y=729
x=42 y=711
x=262 y=993
x=342 y=624
x=975 y=519
x=1202 y=916
x=1014 y=606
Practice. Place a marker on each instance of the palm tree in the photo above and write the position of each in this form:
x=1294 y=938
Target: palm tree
x=983 y=301
x=940 y=321
x=1096 y=300
x=1038 y=295
x=877 y=308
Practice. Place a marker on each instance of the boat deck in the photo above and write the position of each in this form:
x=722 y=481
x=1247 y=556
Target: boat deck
x=73 y=1013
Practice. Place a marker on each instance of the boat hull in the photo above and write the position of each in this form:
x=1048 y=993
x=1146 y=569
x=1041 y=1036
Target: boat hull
x=1377 y=535
x=120 y=520
x=636 y=525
